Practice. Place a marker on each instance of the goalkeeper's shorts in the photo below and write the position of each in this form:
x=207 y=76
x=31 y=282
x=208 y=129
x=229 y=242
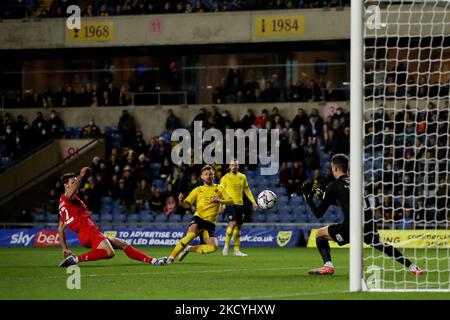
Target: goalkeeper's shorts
x=340 y=233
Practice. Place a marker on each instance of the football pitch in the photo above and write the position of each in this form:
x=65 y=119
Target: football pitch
x=267 y=273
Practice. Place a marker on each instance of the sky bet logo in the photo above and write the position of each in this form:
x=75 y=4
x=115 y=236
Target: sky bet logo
x=45 y=238
x=21 y=238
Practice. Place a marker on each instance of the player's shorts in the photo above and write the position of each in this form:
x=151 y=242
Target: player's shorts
x=204 y=225
x=235 y=213
x=340 y=233
x=91 y=237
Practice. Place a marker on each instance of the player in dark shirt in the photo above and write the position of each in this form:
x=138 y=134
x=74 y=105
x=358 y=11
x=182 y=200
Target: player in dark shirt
x=338 y=193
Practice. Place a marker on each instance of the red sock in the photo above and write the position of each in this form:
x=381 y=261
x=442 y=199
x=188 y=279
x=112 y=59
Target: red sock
x=95 y=254
x=136 y=254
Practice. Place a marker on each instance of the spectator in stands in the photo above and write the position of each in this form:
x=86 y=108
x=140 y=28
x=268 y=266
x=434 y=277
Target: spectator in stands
x=55 y=125
x=220 y=92
x=248 y=120
x=157 y=201
x=174 y=79
x=122 y=194
x=139 y=144
x=142 y=196
x=25 y=217
x=166 y=170
x=89 y=11
x=52 y=202
x=90 y=131
x=171 y=206
x=82 y=98
x=18 y=125
x=269 y=94
x=250 y=86
x=39 y=122
x=297 y=176
x=127 y=128
x=290 y=92
x=124 y=98
x=172 y=121
x=142 y=169
x=261 y=121
x=312 y=159
x=300 y=119
x=201 y=116
x=276 y=118
x=181 y=183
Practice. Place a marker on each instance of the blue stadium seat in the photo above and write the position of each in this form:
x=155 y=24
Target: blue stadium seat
x=160 y=217
x=119 y=217
x=186 y=218
x=95 y=217
x=301 y=217
x=284 y=217
x=52 y=217
x=78 y=132
x=146 y=217
x=118 y=209
x=283 y=200
x=279 y=191
x=110 y=130
x=174 y=218
x=133 y=218
x=106 y=217
x=106 y=209
x=273 y=217
x=106 y=200
x=286 y=208
x=159 y=183
x=40 y=217
x=259 y=217
x=155 y=169
x=296 y=201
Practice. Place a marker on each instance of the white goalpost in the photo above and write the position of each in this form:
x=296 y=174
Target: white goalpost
x=400 y=142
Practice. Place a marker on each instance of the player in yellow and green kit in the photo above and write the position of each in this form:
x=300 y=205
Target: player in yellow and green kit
x=236 y=184
x=208 y=200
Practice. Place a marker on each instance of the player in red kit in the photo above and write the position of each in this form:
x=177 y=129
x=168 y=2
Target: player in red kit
x=75 y=215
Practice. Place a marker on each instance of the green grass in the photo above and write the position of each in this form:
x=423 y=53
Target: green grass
x=267 y=273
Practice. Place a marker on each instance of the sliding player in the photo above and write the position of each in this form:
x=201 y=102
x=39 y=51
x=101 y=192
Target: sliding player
x=75 y=215
x=338 y=193
x=236 y=184
x=208 y=199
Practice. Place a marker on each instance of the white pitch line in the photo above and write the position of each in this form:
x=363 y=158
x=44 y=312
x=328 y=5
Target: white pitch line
x=163 y=273
x=293 y=294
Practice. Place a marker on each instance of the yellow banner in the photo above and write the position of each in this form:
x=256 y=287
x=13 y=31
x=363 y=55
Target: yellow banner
x=279 y=25
x=91 y=31
x=413 y=239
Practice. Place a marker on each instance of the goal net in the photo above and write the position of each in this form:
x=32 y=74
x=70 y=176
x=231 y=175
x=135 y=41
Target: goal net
x=406 y=168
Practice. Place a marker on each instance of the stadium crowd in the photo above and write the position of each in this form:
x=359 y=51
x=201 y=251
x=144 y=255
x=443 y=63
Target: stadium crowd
x=404 y=148
x=57 y=8
x=138 y=91
x=139 y=172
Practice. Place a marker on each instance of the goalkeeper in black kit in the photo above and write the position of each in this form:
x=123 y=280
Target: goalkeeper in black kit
x=338 y=193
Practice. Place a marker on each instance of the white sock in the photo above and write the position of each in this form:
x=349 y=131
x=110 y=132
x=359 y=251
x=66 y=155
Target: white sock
x=328 y=264
x=412 y=267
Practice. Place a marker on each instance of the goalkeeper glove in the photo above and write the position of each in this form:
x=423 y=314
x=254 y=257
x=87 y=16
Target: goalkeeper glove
x=319 y=192
x=306 y=189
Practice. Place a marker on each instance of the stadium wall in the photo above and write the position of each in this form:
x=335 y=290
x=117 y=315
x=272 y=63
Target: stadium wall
x=151 y=119
x=197 y=28
x=40 y=176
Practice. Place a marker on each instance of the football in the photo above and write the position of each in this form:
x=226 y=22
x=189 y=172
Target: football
x=267 y=199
